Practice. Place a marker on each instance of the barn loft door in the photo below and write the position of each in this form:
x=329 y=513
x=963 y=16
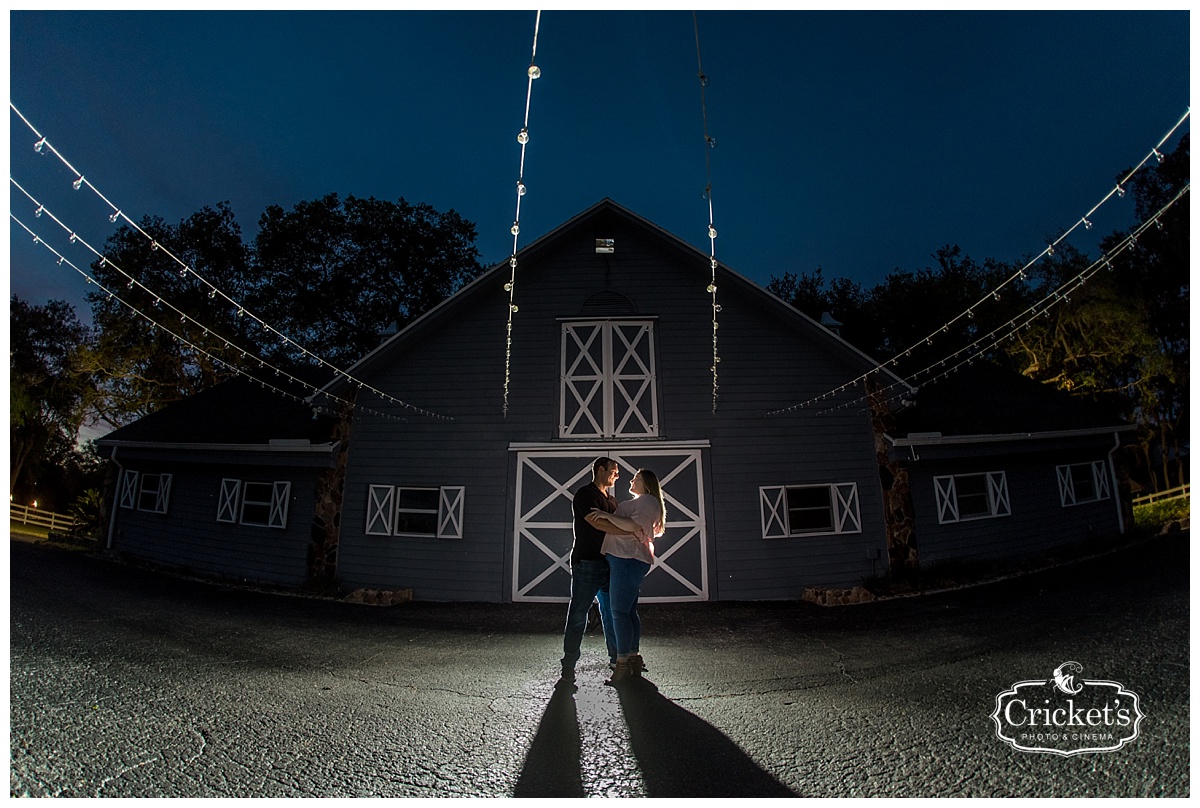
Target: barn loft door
x=608 y=381
x=542 y=535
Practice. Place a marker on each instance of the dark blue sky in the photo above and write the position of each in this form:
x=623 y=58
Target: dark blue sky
x=859 y=142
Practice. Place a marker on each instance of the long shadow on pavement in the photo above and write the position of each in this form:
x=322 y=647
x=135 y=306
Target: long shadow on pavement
x=681 y=755
x=553 y=763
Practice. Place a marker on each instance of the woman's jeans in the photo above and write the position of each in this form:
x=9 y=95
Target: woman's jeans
x=624 y=584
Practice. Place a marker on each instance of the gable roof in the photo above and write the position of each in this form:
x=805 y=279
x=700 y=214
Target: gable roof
x=984 y=399
x=598 y=212
x=237 y=412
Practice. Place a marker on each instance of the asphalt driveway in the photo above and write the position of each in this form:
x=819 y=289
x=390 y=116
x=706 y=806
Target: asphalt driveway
x=128 y=683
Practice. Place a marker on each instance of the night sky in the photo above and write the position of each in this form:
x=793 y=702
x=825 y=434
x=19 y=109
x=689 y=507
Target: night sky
x=859 y=142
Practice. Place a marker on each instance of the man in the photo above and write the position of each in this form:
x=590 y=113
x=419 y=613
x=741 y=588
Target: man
x=589 y=568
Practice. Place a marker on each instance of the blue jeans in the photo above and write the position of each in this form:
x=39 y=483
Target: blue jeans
x=589 y=581
x=624 y=586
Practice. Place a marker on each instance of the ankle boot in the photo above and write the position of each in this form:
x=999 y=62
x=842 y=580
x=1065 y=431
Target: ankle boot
x=621 y=673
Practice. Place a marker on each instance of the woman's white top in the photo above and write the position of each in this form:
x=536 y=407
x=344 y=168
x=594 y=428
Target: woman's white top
x=645 y=511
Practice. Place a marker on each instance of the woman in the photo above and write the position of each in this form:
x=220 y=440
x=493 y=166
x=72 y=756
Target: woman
x=629 y=548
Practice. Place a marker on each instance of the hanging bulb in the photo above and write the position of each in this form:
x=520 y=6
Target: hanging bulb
x=512 y=262
x=38 y=212
x=712 y=142
x=78 y=183
x=508 y=287
x=157 y=303
x=212 y=293
x=520 y=188
x=995 y=295
x=712 y=231
x=37 y=147
x=240 y=311
x=534 y=72
x=712 y=289
x=1120 y=190
x=523 y=136
x=1086 y=224
x=73 y=238
x=703 y=79
x=183 y=272
x=515 y=229
x=153 y=245
x=1158 y=154
x=513 y=307
x=717 y=307
x=1049 y=249
x=130 y=284
x=116 y=215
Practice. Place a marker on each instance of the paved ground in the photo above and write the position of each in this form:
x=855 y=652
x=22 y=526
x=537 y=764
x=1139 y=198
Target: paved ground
x=126 y=683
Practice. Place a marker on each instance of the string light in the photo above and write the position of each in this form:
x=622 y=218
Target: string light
x=155 y=326
x=81 y=181
x=1024 y=320
x=532 y=73
x=1020 y=274
x=712 y=230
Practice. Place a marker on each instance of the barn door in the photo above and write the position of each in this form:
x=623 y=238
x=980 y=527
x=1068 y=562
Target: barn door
x=542 y=534
x=607 y=380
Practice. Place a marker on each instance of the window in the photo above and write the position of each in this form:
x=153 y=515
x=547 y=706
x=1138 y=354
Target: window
x=1083 y=482
x=608 y=386
x=413 y=511
x=962 y=497
x=809 y=510
x=145 y=492
x=264 y=504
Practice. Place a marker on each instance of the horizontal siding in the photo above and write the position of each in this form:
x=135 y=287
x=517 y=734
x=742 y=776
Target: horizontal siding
x=1038 y=522
x=188 y=535
x=458 y=370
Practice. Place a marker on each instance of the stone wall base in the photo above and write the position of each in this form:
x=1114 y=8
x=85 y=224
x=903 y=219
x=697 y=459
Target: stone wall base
x=377 y=597
x=836 y=597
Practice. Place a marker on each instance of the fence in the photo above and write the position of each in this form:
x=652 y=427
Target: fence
x=1161 y=496
x=25 y=515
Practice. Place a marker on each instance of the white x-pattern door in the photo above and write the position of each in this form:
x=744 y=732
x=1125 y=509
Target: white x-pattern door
x=542 y=533
x=608 y=380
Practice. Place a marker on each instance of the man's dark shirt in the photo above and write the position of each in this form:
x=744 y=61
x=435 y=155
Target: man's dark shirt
x=587 y=538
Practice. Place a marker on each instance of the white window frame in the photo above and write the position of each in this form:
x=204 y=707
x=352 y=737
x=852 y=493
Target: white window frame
x=1101 y=489
x=277 y=503
x=383 y=508
x=843 y=500
x=161 y=492
x=614 y=360
x=945 y=491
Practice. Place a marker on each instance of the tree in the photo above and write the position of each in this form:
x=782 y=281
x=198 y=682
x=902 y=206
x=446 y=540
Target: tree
x=335 y=273
x=139 y=364
x=47 y=388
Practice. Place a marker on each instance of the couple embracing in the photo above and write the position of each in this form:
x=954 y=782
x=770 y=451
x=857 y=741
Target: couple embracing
x=612 y=552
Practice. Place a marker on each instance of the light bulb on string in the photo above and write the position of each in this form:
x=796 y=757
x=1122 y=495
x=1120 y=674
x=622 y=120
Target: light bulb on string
x=38 y=212
x=78 y=183
x=116 y=215
x=520 y=188
x=1159 y=155
x=515 y=229
x=1120 y=190
x=37 y=147
x=1087 y=225
x=534 y=72
x=523 y=136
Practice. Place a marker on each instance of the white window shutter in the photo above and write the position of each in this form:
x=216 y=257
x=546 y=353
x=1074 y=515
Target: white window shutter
x=164 y=493
x=947 y=499
x=998 y=493
x=379 y=510
x=773 y=504
x=450 y=512
x=280 y=496
x=1100 y=475
x=129 y=489
x=846 y=515
x=227 y=501
x=1066 y=488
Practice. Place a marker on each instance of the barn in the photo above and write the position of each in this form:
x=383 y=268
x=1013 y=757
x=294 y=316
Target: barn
x=615 y=349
